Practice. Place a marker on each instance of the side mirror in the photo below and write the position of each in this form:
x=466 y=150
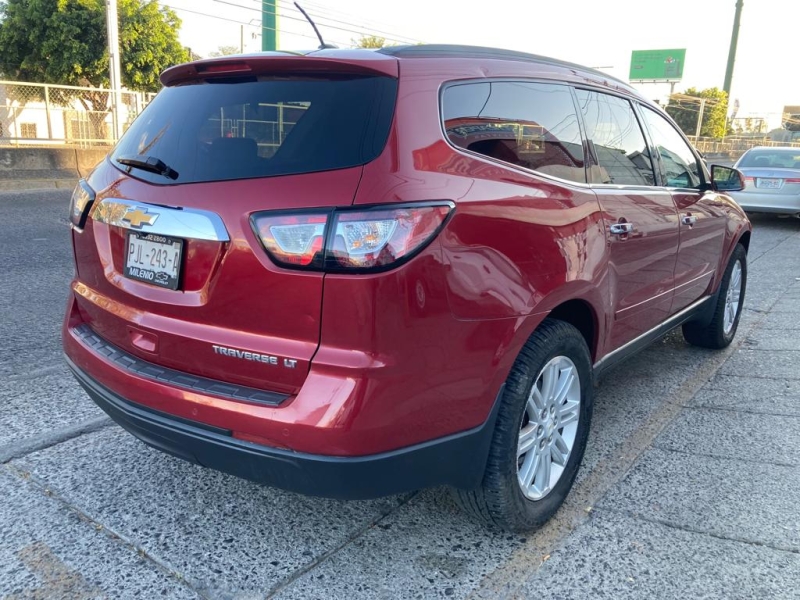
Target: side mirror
x=726 y=179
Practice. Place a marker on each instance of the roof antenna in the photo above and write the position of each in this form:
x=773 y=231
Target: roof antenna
x=322 y=44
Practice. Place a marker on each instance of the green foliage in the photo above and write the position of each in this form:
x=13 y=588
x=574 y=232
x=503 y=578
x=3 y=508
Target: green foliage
x=685 y=109
x=64 y=42
x=224 y=51
x=369 y=41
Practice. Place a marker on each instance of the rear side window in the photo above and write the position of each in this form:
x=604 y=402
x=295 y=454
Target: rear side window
x=531 y=125
x=678 y=162
x=619 y=144
x=258 y=128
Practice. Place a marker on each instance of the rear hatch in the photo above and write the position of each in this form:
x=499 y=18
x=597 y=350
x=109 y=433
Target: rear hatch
x=170 y=268
x=772 y=171
x=772 y=181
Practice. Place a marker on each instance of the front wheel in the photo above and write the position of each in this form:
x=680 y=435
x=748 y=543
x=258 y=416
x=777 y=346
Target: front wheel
x=720 y=331
x=540 y=433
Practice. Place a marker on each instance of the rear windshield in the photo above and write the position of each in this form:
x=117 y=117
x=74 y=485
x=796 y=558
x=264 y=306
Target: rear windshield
x=774 y=159
x=260 y=128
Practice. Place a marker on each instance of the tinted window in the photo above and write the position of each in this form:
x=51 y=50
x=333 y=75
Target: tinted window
x=776 y=159
x=619 y=145
x=677 y=159
x=235 y=130
x=530 y=125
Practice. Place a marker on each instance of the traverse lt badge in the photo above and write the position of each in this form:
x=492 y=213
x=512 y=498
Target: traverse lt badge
x=138 y=217
x=254 y=356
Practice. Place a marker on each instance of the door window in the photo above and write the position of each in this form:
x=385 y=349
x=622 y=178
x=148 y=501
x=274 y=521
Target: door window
x=619 y=144
x=531 y=125
x=678 y=162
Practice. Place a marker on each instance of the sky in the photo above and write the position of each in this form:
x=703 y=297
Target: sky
x=594 y=33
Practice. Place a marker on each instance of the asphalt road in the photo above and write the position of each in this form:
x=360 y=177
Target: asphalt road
x=689 y=487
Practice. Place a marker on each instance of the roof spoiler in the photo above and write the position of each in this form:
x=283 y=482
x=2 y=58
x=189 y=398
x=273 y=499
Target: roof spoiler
x=356 y=62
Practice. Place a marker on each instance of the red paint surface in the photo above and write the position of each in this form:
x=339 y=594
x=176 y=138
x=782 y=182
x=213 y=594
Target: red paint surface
x=415 y=353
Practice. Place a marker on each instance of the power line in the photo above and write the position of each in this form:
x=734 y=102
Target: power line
x=323 y=23
x=372 y=27
x=194 y=12
x=303 y=20
x=228 y=19
x=365 y=26
x=283 y=16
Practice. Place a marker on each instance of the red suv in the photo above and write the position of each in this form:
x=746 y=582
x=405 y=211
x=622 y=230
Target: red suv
x=354 y=273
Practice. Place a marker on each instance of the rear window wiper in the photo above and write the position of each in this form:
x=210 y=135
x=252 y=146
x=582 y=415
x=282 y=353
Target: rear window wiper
x=148 y=163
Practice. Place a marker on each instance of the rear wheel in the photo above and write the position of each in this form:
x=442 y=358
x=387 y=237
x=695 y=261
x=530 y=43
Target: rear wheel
x=720 y=331
x=540 y=433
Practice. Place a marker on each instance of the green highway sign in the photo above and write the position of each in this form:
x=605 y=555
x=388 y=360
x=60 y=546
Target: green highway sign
x=657 y=65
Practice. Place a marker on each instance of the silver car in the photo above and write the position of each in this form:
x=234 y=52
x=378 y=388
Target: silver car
x=772 y=180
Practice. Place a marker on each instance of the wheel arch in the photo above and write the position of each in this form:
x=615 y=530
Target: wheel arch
x=580 y=304
x=744 y=240
x=580 y=314
x=738 y=232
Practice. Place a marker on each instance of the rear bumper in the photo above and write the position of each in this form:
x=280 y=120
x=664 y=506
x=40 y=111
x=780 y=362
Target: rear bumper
x=767 y=203
x=458 y=460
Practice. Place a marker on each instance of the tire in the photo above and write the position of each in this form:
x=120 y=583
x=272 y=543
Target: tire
x=500 y=499
x=720 y=331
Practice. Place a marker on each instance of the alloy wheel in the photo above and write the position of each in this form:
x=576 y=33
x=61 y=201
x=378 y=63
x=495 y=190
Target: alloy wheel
x=732 y=297
x=549 y=426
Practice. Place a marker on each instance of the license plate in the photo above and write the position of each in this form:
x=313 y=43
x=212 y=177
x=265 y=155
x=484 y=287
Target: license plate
x=154 y=259
x=768 y=183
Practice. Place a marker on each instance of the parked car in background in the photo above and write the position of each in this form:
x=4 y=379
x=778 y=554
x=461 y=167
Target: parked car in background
x=772 y=181
x=356 y=273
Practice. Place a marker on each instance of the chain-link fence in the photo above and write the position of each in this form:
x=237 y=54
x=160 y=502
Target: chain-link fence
x=40 y=114
x=734 y=145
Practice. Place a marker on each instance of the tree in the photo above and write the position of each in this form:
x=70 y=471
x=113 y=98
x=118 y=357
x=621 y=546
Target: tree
x=225 y=51
x=64 y=42
x=685 y=109
x=369 y=41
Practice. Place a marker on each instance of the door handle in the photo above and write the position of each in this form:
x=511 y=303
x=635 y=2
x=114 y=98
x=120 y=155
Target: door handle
x=621 y=228
x=688 y=220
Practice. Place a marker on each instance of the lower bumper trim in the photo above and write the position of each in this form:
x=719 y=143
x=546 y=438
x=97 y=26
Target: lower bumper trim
x=457 y=460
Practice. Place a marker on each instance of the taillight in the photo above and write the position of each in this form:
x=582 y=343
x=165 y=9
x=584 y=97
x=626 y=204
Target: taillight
x=80 y=203
x=350 y=240
x=379 y=238
x=793 y=180
x=293 y=240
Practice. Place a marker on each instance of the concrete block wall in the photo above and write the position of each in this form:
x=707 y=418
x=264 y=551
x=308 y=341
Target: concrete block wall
x=29 y=168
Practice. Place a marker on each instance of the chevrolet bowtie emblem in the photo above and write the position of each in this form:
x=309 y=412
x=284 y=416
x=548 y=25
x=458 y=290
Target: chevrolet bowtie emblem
x=138 y=217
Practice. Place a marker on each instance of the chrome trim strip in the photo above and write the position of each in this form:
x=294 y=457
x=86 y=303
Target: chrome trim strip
x=650 y=336
x=624 y=311
x=696 y=279
x=186 y=223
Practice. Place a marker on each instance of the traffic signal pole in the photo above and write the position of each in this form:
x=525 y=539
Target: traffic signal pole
x=269 y=25
x=732 y=52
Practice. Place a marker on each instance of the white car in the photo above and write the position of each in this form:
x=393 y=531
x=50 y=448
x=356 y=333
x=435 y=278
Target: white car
x=772 y=180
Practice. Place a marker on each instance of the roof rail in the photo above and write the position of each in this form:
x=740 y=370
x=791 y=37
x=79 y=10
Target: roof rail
x=459 y=51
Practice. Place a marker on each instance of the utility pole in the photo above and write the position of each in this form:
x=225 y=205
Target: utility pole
x=732 y=52
x=269 y=25
x=241 y=39
x=700 y=118
x=115 y=71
